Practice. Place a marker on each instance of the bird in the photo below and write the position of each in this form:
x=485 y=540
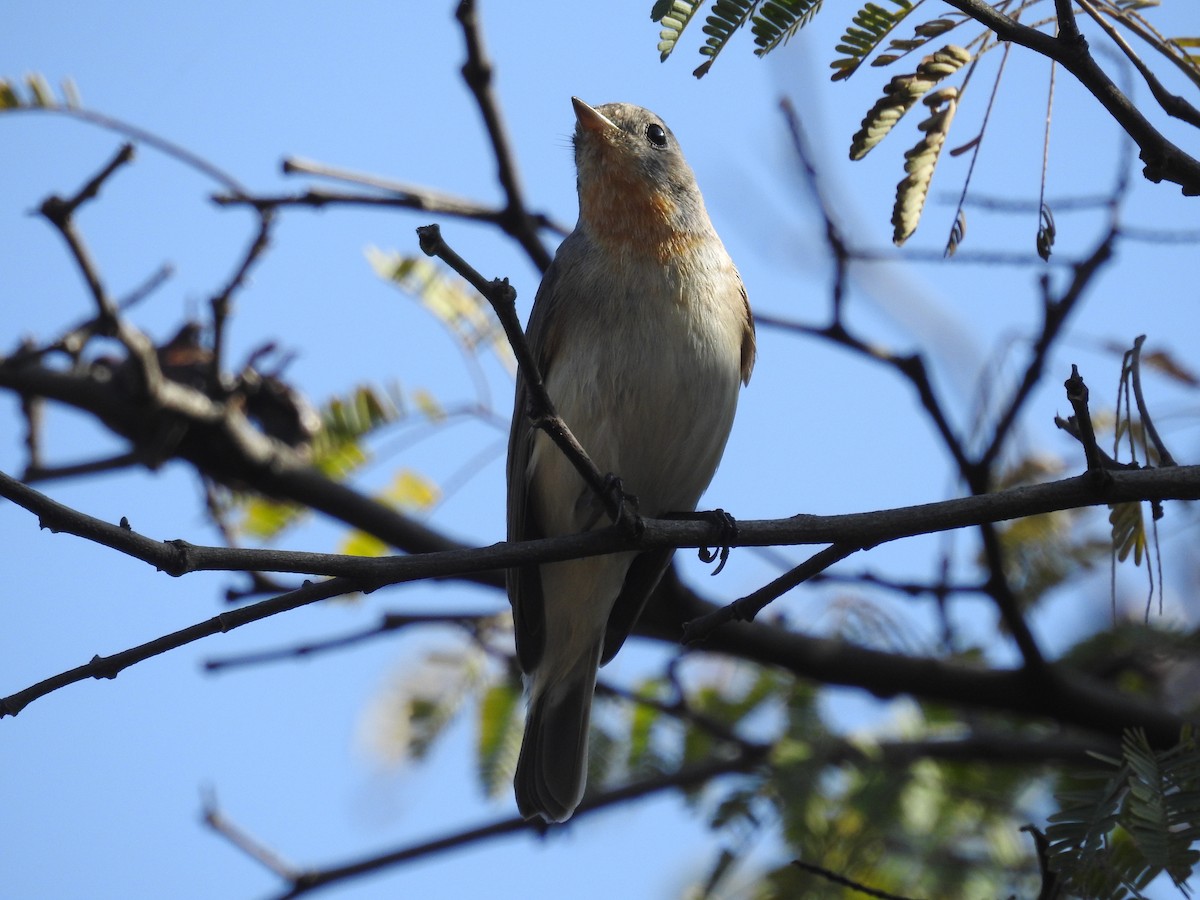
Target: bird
x=643 y=335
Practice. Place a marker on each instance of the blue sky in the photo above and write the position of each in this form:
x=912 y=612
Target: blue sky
x=103 y=780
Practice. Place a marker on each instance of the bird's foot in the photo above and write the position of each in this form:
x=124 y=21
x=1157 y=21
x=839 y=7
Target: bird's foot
x=725 y=534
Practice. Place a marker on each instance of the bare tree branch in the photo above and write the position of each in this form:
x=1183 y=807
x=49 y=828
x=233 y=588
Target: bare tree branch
x=315 y=879
x=1164 y=161
x=477 y=72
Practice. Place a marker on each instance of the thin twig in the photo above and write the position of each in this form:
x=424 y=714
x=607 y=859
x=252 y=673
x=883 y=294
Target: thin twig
x=1164 y=160
x=1077 y=394
x=1055 y=313
x=35 y=472
x=746 y=608
x=843 y=881
x=1172 y=104
x=976 y=147
x=59 y=212
x=91 y=190
x=156 y=279
x=388 y=623
x=1045 y=236
x=834 y=239
x=142 y=136
x=219 y=304
x=398 y=196
x=501 y=295
x=684 y=778
x=477 y=72
x=238 y=837
x=1135 y=365
x=1161 y=44
x=912 y=367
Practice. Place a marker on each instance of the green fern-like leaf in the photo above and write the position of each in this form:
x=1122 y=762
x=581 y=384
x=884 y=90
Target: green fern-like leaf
x=1114 y=838
x=337 y=450
x=674 y=16
x=1128 y=531
x=1189 y=50
x=39 y=94
x=1163 y=807
x=902 y=93
x=862 y=37
x=498 y=732
x=642 y=757
x=778 y=20
x=1078 y=833
x=920 y=162
x=724 y=19
x=463 y=312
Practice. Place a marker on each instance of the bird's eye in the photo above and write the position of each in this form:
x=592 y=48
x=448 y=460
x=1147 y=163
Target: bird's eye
x=656 y=135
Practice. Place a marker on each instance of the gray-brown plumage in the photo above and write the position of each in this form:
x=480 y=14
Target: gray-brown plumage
x=643 y=334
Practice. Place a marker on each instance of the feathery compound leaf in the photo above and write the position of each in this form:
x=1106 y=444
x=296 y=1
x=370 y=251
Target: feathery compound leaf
x=870 y=26
x=1162 y=811
x=338 y=449
x=40 y=90
x=8 y=97
x=902 y=93
x=779 y=20
x=1128 y=531
x=642 y=758
x=920 y=162
x=498 y=736
x=674 y=16
x=923 y=33
x=71 y=96
x=41 y=94
x=1111 y=840
x=725 y=17
x=464 y=313
x=1078 y=833
x=1189 y=50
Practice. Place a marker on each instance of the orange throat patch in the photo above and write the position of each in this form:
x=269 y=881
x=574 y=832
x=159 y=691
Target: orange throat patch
x=626 y=215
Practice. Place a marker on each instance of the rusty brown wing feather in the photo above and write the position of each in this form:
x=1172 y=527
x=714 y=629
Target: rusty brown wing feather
x=749 y=341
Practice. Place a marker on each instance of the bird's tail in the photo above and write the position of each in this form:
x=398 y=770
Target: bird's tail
x=553 y=764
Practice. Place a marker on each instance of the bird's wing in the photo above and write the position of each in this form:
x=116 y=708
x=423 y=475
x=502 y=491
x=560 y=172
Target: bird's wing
x=749 y=341
x=524 y=582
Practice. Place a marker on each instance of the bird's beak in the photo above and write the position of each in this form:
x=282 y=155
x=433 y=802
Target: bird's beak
x=589 y=119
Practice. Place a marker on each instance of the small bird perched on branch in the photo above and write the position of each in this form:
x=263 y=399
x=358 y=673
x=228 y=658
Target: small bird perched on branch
x=642 y=331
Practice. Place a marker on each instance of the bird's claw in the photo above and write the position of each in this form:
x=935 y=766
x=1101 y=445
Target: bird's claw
x=726 y=529
x=725 y=532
